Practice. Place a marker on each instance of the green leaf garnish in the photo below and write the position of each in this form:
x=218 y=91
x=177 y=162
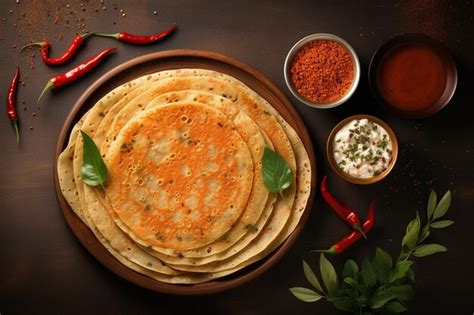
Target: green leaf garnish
x=443 y=206
x=441 y=224
x=328 y=274
x=413 y=229
x=381 y=299
x=368 y=273
x=382 y=264
x=93 y=170
x=305 y=295
x=276 y=173
x=350 y=269
x=381 y=285
x=402 y=292
x=394 y=307
x=401 y=269
x=431 y=204
x=428 y=249
x=311 y=277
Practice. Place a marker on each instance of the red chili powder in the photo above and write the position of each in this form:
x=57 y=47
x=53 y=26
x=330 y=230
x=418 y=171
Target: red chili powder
x=322 y=71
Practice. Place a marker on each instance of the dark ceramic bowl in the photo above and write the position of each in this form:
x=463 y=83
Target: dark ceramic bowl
x=440 y=50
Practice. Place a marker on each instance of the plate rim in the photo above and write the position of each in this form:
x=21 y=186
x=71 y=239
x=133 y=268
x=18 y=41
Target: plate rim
x=110 y=262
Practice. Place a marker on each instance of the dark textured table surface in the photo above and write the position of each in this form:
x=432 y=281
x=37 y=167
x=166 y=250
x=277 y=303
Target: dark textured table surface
x=44 y=269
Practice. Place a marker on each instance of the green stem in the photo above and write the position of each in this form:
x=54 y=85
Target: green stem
x=48 y=86
x=115 y=35
x=15 y=125
x=86 y=35
x=39 y=44
x=358 y=228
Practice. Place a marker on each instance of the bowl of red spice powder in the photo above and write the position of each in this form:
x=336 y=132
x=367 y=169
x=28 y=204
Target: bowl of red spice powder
x=322 y=70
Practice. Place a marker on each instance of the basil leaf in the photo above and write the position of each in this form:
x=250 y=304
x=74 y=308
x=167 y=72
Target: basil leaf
x=424 y=233
x=305 y=295
x=401 y=269
x=350 y=281
x=411 y=237
x=382 y=264
x=328 y=274
x=381 y=299
x=410 y=275
x=443 y=206
x=394 y=307
x=402 y=293
x=311 y=277
x=441 y=224
x=350 y=269
x=276 y=173
x=345 y=304
x=368 y=274
x=428 y=249
x=93 y=170
x=431 y=204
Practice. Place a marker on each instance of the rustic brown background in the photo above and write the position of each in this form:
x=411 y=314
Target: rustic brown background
x=44 y=269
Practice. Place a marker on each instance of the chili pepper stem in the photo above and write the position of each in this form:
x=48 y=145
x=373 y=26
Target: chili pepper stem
x=15 y=125
x=86 y=35
x=48 y=86
x=39 y=44
x=358 y=227
x=115 y=35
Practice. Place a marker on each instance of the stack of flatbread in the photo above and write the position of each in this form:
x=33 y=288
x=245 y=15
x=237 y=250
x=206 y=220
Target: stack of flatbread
x=185 y=201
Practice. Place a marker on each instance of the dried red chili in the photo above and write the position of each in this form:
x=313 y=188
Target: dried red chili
x=139 y=39
x=11 y=103
x=344 y=212
x=75 y=73
x=352 y=238
x=68 y=54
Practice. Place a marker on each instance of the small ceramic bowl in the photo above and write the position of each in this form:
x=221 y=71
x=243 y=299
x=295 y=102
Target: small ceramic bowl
x=321 y=36
x=419 y=39
x=346 y=176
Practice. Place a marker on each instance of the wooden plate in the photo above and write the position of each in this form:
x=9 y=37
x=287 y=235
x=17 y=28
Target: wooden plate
x=166 y=60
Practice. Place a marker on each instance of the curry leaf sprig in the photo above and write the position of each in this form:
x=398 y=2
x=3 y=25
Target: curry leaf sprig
x=93 y=171
x=276 y=173
x=380 y=285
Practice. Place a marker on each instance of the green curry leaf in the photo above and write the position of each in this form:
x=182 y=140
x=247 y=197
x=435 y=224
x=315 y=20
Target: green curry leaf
x=431 y=204
x=93 y=170
x=442 y=206
x=311 y=277
x=305 y=295
x=381 y=285
x=328 y=274
x=428 y=249
x=276 y=173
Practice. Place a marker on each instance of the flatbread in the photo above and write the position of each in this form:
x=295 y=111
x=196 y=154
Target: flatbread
x=105 y=121
x=179 y=175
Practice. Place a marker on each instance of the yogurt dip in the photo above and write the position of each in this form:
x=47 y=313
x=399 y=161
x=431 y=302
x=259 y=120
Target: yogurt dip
x=362 y=148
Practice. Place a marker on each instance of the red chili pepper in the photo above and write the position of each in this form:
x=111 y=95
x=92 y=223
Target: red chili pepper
x=352 y=238
x=344 y=212
x=68 y=54
x=75 y=73
x=139 y=39
x=11 y=102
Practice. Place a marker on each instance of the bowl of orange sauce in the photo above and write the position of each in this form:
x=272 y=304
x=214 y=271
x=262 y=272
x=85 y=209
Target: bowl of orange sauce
x=413 y=75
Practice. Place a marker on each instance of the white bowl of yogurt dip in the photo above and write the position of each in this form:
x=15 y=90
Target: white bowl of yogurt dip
x=362 y=149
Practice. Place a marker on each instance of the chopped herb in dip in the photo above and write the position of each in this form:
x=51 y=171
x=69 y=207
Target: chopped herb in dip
x=362 y=148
